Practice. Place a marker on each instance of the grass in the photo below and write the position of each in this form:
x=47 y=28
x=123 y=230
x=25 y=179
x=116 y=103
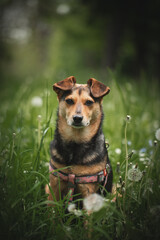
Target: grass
x=24 y=157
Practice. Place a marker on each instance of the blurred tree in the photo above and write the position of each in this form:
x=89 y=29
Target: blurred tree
x=129 y=31
x=135 y=21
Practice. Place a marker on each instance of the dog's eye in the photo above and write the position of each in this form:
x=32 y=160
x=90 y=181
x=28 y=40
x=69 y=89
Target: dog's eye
x=69 y=101
x=89 y=103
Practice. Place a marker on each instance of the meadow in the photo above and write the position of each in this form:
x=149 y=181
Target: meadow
x=27 y=124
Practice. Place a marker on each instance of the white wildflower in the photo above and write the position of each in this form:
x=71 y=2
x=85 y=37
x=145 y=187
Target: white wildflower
x=93 y=202
x=134 y=175
x=36 y=101
x=118 y=150
x=157 y=134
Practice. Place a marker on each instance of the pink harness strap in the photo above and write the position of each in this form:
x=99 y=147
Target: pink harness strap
x=72 y=179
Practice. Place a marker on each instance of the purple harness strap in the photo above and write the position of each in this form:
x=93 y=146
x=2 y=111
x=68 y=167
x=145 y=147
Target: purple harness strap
x=72 y=179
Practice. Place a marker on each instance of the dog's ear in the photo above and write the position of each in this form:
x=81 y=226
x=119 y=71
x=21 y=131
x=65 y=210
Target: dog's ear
x=64 y=85
x=98 y=89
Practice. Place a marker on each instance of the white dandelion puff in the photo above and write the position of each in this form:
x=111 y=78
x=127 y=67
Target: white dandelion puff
x=118 y=151
x=71 y=207
x=134 y=175
x=36 y=101
x=93 y=202
x=157 y=134
x=77 y=212
x=63 y=9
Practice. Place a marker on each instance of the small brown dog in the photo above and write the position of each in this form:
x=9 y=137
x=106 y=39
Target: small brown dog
x=79 y=146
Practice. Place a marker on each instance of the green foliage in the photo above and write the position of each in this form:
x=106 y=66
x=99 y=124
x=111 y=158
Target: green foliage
x=24 y=157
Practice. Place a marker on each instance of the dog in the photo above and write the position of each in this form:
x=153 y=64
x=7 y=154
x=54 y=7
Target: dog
x=79 y=157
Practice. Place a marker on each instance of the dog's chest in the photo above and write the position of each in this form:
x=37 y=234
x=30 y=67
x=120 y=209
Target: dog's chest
x=83 y=153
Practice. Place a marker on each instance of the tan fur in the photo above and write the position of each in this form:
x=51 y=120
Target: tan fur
x=79 y=93
x=92 y=114
x=78 y=135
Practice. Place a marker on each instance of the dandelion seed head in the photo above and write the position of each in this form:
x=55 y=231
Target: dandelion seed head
x=36 y=101
x=118 y=151
x=93 y=202
x=71 y=207
x=63 y=9
x=134 y=175
x=78 y=213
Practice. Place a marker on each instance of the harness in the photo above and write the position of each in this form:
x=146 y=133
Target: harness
x=73 y=179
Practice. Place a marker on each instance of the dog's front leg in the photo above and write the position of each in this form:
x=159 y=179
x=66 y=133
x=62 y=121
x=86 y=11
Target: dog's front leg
x=87 y=189
x=54 y=184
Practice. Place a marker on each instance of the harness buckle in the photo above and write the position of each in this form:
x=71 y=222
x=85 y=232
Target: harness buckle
x=100 y=177
x=105 y=172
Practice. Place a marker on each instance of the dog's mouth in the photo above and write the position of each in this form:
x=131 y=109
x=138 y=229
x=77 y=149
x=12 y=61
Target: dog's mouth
x=78 y=125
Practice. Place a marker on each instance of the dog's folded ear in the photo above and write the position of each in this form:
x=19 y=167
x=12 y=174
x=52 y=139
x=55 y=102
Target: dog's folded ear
x=64 y=85
x=98 y=89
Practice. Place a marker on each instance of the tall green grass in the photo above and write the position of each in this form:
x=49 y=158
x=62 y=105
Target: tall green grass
x=26 y=132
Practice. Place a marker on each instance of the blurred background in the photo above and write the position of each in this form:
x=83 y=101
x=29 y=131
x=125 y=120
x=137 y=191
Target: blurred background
x=54 y=39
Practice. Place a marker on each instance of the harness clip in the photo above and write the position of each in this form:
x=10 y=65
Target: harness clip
x=105 y=172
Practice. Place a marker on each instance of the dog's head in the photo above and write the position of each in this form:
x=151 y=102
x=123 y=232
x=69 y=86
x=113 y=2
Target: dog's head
x=80 y=104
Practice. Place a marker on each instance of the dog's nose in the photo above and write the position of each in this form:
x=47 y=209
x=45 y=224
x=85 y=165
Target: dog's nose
x=77 y=119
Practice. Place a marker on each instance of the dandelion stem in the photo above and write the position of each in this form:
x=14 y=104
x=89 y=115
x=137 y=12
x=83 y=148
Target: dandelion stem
x=126 y=171
x=12 y=148
x=126 y=154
